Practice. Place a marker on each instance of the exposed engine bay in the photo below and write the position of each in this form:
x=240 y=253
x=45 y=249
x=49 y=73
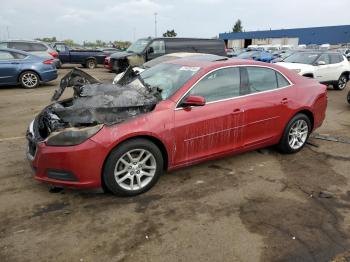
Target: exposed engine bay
x=95 y=103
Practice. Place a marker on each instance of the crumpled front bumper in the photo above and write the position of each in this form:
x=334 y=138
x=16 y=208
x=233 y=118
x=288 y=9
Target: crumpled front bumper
x=77 y=166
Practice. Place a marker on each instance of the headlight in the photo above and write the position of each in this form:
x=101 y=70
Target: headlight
x=72 y=136
x=297 y=70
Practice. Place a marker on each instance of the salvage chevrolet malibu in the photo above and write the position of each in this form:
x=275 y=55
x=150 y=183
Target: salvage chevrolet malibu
x=123 y=137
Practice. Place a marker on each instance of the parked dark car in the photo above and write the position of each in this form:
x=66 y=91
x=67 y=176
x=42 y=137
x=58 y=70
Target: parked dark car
x=147 y=49
x=87 y=58
x=18 y=67
x=34 y=47
x=262 y=56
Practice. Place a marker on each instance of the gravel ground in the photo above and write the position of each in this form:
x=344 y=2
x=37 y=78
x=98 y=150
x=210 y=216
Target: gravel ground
x=257 y=206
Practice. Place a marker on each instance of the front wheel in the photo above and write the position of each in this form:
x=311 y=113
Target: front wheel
x=29 y=79
x=341 y=84
x=295 y=134
x=133 y=167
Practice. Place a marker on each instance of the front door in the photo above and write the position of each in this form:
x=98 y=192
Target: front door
x=215 y=127
x=155 y=49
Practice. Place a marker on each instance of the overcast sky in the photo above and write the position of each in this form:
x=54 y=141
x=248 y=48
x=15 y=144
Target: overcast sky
x=119 y=19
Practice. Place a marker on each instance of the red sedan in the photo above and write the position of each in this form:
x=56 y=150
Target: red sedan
x=172 y=115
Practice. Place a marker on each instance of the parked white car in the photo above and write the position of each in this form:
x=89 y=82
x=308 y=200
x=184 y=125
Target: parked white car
x=330 y=68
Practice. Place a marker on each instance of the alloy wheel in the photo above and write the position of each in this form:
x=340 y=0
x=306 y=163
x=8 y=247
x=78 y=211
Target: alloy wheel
x=29 y=80
x=298 y=134
x=342 y=82
x=135 y=169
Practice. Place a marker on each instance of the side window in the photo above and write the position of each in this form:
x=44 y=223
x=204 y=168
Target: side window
x=261 y=79
x=18 y=55
x=158 y=47
x=220 y=84
x=324 y=58
x=335 y=58
x=60 y=48
x=5 y=56
x=281 y=80
x=3 y=45
x=37 y=47
x=19 y=46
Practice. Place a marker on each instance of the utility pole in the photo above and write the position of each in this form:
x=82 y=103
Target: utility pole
x=8 y=32
x=155 y=24
x=134 y=34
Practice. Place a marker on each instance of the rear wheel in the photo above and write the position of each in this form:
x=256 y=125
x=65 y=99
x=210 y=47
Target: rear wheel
x=133 y=167
x=341 y=84
x=295 y=135
x=90 y=63
x=29 y=79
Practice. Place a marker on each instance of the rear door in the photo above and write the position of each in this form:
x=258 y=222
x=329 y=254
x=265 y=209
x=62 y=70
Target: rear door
x=266 y=104
x=8 y=68
x=324 y=72
x=216 y=127
x=335 y=66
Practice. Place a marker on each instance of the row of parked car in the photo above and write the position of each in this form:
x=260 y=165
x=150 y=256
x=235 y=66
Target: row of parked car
x=37 y=62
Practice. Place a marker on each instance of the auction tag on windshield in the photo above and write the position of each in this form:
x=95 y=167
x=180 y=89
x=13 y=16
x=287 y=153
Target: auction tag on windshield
x=190 y=68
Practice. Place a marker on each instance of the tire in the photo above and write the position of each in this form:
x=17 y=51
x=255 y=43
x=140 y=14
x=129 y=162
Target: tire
x=348 y=97
x=90 y=63
x=341 y=83
x=131 y=174
x=29 y=79
x=294 y=130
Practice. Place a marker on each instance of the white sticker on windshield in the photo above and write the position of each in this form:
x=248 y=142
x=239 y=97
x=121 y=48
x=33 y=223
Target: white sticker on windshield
x=190 y=68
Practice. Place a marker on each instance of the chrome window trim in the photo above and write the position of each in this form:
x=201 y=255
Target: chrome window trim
x=231 y=98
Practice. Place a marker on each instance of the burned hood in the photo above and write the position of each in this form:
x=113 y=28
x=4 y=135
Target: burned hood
x=95 y=103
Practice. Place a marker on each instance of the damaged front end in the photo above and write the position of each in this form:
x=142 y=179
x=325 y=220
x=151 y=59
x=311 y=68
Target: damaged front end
x=71 y=121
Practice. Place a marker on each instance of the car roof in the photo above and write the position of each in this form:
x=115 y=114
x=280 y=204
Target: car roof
x=216 y=63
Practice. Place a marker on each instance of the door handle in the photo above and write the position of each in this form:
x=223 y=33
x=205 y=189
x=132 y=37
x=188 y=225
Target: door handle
x=284 y=101
x=14 y=63
x=236 y=111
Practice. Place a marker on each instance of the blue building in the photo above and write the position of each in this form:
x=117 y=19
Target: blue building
x=332 y=35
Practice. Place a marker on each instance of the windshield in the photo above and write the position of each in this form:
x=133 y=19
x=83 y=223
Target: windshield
x=168 y=77
x=247 y=54
x=138 y=46
x=302 y=58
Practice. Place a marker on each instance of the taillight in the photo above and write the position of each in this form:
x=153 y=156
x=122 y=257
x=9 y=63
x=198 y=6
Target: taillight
x=54 y=54
x=48 y=62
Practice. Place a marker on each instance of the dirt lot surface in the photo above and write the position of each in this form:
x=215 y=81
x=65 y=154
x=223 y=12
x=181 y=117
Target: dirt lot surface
x=258 y=206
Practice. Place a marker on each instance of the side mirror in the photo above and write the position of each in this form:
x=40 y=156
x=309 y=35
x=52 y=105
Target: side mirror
x=193 y=101
x=321 y=63
x=150 y=50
